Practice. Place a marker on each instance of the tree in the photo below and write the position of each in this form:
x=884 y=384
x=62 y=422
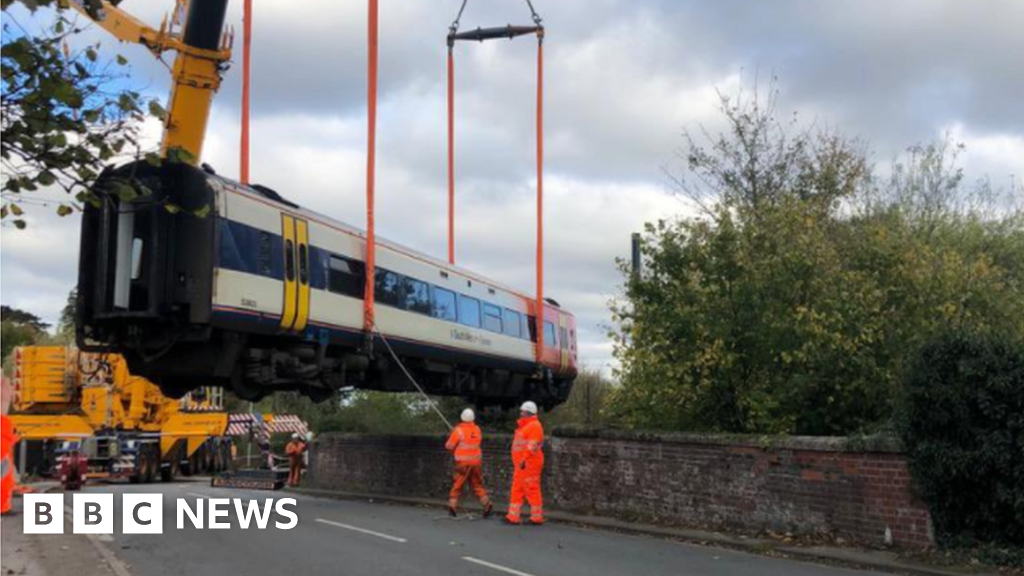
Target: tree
x=962 y=423
x=66 y=114
x=587 y=404
x=793 y=302
x=66 y=325
x=19 y=328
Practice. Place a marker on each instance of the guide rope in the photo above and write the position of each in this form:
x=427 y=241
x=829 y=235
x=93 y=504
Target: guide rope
x=408 y=375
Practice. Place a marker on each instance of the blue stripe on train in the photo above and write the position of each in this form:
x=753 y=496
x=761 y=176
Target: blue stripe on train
x=248 y=249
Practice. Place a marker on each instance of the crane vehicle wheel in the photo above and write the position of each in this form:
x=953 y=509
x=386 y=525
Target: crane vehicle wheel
x=169 y=473
x=143 y=472
x=154 y=466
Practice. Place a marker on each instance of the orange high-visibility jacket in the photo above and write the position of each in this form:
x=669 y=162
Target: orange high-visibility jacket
x=464 y=441
x=528 y=444
x=294 y=448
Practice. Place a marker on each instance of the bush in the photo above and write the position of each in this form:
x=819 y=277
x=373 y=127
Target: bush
x=962 y=423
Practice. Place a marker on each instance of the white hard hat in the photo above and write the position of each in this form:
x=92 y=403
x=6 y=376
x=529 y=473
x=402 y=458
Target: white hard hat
x=295 y=436
x=468 y=415
x=529 y=407
x=309 y=436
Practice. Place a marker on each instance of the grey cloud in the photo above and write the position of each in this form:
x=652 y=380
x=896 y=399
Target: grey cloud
x=622 y=79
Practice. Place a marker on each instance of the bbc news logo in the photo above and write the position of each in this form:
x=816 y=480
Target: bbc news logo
x=144 y=513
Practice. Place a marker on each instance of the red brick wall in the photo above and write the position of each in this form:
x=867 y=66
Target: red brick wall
x=855 y=489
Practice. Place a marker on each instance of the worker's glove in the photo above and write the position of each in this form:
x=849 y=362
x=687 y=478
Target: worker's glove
x=522 y=465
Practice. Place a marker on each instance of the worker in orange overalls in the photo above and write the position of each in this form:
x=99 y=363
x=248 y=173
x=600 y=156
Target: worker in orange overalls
x=294 y=450
x=528 y=461
x=8 y=438
x=464 y=444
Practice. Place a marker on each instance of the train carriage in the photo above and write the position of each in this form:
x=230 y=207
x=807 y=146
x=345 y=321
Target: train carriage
x=205 y=278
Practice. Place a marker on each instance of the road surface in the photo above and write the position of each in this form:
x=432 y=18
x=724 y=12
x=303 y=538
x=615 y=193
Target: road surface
x=341 y=537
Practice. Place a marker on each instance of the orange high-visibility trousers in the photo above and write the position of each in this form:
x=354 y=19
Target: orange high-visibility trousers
x=10 y=438
x=526 y=486
x=294 y=469
x=473 y=474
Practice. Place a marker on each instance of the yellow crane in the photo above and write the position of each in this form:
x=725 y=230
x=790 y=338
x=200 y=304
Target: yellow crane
x=122 y=422
x=195 y=32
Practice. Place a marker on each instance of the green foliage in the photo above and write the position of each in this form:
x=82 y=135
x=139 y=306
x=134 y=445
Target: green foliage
x=66 y=114
x=362 y=411
x=13 y=334
x=962 y=423
x=793 y=303
x=587 y=402
x=66 y=326
x=22 y=317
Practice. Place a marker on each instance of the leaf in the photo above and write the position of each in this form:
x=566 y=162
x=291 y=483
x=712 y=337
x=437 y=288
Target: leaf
x=46 y=178
x=172 y=208
x=202 y=212
x=20 y=224
x=153 y=159
x=91 y=54
x=180 y=155
x=121 y=60
x=64 y=210
x=16 y=210
x=157 y=110
x=3 y=212
x=125 y=192
x=126 y=103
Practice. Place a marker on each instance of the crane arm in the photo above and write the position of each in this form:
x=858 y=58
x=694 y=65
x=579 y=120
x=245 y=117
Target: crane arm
x=201 y=50
x=117 y=22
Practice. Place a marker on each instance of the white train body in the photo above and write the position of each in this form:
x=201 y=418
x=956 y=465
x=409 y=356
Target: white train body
x=262 y=295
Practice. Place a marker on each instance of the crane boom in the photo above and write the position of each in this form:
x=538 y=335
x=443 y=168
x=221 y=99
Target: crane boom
x=202 y=49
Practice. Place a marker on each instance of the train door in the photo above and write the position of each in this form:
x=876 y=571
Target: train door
x=563 y=342
x=295 y=235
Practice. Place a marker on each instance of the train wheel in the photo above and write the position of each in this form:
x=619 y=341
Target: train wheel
x=245 y=389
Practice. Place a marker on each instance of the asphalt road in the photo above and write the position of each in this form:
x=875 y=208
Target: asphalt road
x=349 y=537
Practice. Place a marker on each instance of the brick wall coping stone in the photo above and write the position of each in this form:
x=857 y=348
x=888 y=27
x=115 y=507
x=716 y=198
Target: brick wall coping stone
x=879 y=444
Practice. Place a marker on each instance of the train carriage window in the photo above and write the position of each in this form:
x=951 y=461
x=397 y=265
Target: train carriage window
x=531 y=327
x=388 y=288
x=417 y=296
x=469 y=311
x=289 y=260
x=303 y=264
x=346 y=277
x=512 y=323
x=443 y=304
x=549 y=334
x=265 y=254
x=492 y=318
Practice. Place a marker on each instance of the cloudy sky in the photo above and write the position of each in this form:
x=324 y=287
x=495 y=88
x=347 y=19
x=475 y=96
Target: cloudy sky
x=623 y=78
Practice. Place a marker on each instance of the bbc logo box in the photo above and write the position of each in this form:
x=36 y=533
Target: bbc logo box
x=93 y=514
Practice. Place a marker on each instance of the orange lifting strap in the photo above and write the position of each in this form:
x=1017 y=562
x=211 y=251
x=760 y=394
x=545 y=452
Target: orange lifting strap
x=246 y=58
x=479 y=35
x=371 y=156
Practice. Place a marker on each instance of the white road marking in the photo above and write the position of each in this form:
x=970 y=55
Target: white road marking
x=497 y=567
x=363 y=530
